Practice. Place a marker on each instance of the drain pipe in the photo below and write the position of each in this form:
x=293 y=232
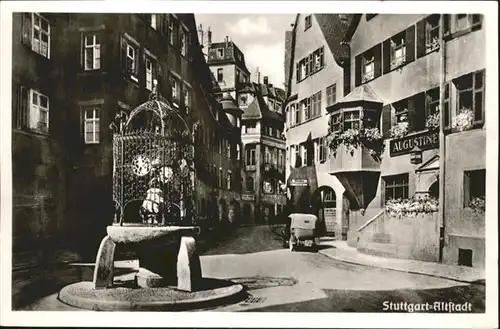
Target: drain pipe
x=442 y=140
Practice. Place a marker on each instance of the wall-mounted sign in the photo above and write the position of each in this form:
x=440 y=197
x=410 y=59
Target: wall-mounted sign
x=299 y=182
x=425 y=141
x=248 y=197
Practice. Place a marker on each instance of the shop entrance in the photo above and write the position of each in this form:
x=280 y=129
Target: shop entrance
x=324 y=203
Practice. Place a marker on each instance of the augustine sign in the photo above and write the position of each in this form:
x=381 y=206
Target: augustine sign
x=425 y=141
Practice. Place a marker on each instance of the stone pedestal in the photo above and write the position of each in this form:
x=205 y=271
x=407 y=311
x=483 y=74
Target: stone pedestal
x=104 y=265
x=188 y=265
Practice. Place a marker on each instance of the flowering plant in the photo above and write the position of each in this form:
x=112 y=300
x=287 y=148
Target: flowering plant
x=434 y=44
x=478 y=204
x=411 y=207
x=399 y=130
x=371 y=138
x=463 y=120
x=433 y=121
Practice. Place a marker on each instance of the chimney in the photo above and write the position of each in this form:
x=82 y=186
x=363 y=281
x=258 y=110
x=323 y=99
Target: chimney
x=227 y=40
x=258 y=75
x=266 y=81
x=209 y=37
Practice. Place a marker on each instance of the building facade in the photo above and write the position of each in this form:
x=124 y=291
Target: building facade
x=75 y=73
x=258 y=113
x=406 y=73
x=315 y=83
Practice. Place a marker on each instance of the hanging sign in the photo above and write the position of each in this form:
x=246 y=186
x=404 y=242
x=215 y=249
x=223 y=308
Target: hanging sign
x=299 y=182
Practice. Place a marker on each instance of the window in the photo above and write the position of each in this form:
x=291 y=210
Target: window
x=92 y=52
x=251 y=128
x=229 y=179
x=91 y=125
x=38 y=35
x=401 y=108
x=187 y=98
x=316 y=104
x=368 y=72
x=331 y=95
x=466 y=21
x=474 y=185
x=149 y=73
x=294 y=116
x=220 y=75
x=304 y=154
x=184 y=43
x=320 y=150
x=38 y=112
x=318 y=59
x=171 y=36
x=398 y=50
x=396 y=187
x=306 y=108
x=130 y=58
x=250 y=156
x=267 y=186
x=432 y=33
x=281 y=158
x=154 y=21
x=220 y=53
x=228 y=149
x=298 y=158
x=470 y=94
x=308 y=22
x=175 y=88
x=336 y=122
x=249 y=184
x=432 y=101
x=238 y=152
x=221 y=178
x=351 y=120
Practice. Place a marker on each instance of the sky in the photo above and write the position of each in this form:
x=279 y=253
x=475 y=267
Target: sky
x=261 y=38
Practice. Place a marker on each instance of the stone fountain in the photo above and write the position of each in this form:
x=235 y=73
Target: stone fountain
x=153 y=191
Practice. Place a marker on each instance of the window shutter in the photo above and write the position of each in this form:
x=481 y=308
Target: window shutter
x=357 y=72
x=347 y=78
x=386 y=120
x=447 y=106
x=378 y=60
x=410 y=44
x=446 y=23
x=123 y=54
x=386 y=56
x=21 y=115
x=466 y=189
x=26 y=29
x=421 y=38
x=297 y=71
x=479 y=97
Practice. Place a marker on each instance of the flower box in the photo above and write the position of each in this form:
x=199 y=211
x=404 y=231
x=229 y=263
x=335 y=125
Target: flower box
x=463 y=120
x=399 y=130
x=410 y=208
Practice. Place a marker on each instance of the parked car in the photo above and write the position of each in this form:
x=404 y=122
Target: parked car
x=301 y=231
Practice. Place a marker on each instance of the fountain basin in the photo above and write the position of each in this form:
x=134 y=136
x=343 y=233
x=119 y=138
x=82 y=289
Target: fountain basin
x=139 y=233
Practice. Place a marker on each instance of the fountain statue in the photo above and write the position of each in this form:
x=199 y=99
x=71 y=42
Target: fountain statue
x=153 y=192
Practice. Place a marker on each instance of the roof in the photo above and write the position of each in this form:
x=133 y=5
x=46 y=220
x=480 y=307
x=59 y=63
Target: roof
x=334 y=28
x=232 y=55
x=258 y=108
x=363 y=93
